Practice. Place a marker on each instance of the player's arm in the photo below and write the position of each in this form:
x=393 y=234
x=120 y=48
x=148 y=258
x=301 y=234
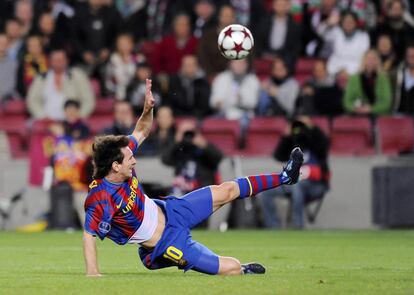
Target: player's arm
x=144 y=124
x=90 y=255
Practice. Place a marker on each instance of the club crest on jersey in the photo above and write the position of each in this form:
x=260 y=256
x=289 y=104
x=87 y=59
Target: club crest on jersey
x=104 y=227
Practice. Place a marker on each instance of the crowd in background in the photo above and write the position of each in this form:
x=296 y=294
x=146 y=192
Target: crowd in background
x=364 y=54
x=62 y=56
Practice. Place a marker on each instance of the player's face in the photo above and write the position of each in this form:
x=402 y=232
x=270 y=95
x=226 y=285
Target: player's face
x=125 y=168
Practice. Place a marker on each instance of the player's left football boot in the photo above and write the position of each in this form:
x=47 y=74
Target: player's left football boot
x=253 y=268
x=291 y=171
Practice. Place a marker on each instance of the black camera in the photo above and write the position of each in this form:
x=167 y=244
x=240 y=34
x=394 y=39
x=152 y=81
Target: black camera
x=188 y=136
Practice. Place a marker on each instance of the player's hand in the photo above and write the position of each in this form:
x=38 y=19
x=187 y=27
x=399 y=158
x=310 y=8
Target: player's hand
x=149 y=99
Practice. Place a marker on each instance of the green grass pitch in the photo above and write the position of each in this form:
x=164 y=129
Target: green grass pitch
x=309 y=262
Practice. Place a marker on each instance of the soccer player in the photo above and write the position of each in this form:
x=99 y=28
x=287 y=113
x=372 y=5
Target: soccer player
x=117 y=208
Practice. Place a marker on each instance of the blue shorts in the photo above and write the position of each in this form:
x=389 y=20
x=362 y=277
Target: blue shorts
x=176 y=248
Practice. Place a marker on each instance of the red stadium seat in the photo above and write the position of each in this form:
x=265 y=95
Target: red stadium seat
x=395 y=134
x=148 y=48
x=15 y=107
x=263 y=135
x=304 y=66
x=223 y=133
x=96 y=87
x=263 y=67
x=97 y=123
x=16 y=130
x=104 y=106
x=323 y=124
x=41 y=126
x=352 y=136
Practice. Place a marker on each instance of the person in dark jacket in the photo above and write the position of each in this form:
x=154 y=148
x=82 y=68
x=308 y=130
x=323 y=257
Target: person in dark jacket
x=163 y=136
x=95 y=26
x=189 y=91
x=280 y=35
x=124 y=119
x=194 y=159
x=403 y=82
x=314 y=172
x=320 y=95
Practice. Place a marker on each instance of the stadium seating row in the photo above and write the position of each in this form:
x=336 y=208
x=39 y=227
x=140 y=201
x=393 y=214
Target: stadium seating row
x=349 y=135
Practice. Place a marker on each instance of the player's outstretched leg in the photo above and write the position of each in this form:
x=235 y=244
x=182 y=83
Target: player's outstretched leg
x=247 y=187
x=252 y=185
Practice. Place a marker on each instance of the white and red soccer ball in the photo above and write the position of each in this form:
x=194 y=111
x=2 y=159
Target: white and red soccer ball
x=235 y=42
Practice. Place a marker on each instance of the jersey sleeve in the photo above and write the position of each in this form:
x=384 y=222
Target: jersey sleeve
x=98 y=215
x=133 y=144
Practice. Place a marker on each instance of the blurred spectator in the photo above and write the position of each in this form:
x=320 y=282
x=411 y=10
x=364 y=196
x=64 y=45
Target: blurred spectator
x=6 y=10
x=314 y=172
x=387 y=54
x=369 y=92
x=13 y=31
x=124 y=119
x=136 y=89
x=364 y=9
x=71 y=160
x=24 y=14
x=72 y=125
x=249 y=13
x=121 y=66
x=321 y=95
x=133 y=13
x=96 y=26
x=8 y=69
x=48 y=92
x=160 y=15
x=403 y=80
x=349 y=46
x=34 y=62
x=172 y=48
x=204 y=17
x=163 y=136
x=280 y=35
x=323 y=22
x=55 y=34
x=211 y=60
x=279 y=92
x=234 y=93
x=128 y=7
x=194 y=159
x=189 y=91
x=395 y=26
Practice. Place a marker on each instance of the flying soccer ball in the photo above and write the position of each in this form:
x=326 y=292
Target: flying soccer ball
x=235 y=42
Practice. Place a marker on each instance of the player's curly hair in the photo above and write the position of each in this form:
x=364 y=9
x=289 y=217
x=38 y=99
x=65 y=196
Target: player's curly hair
x=106 y=150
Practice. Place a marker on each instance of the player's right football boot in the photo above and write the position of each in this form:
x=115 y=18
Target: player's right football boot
x=253 y=268
x=291 y=171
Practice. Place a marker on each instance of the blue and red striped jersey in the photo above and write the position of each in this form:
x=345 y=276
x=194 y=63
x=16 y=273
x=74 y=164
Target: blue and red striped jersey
x=115 y=210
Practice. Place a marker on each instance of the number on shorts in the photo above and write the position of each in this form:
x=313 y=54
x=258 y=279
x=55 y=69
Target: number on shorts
x=173 y=254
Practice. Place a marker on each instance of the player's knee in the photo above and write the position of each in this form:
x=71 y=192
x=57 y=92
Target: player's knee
x=229 y=266
x=228 y=190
